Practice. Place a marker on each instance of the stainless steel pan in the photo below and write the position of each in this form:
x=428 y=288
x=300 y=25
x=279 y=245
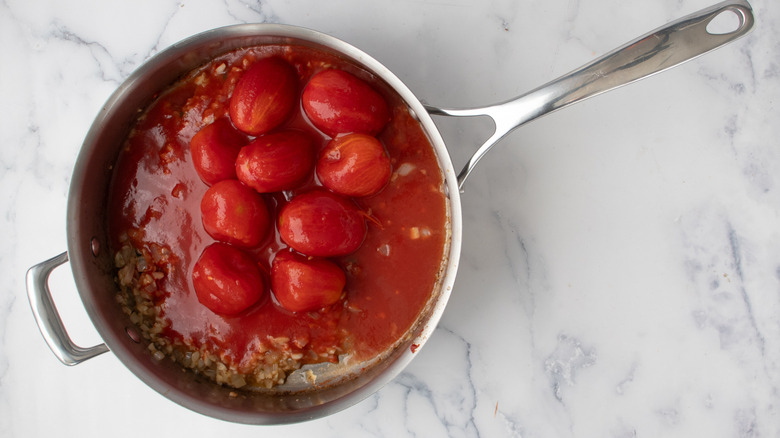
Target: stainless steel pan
x=91 y=262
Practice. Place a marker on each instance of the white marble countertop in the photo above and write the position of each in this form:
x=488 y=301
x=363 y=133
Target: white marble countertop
x=620 y=273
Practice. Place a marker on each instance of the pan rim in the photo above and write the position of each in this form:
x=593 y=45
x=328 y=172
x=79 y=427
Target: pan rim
x=80 y=236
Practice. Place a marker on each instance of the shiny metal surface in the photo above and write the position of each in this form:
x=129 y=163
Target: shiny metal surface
x=661 y=49
x=93 y=270
x=48 y=319
x=337 y=387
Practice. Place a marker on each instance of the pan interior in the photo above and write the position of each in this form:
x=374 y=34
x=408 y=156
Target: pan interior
x=338 y=386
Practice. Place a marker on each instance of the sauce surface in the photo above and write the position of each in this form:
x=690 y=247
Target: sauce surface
x=155 y=203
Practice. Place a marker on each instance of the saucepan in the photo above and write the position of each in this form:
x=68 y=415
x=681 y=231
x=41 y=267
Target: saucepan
x=87 y=242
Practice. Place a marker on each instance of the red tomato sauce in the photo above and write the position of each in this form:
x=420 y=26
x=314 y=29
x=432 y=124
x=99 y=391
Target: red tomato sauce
x=155 y=201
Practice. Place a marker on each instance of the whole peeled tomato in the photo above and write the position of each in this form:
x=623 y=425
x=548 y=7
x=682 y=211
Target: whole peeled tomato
x=234 y=213
x=301 y=284
x=338 y=102
x=277 y=161
x=322 y=224
x=354 y=165
x=226 y=279
x=214 y=150
x=265 y=96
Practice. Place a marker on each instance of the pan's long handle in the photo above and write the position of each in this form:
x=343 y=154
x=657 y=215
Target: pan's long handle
x=666 y=47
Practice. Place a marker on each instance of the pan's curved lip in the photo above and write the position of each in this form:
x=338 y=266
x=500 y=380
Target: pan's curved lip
x=95 y=160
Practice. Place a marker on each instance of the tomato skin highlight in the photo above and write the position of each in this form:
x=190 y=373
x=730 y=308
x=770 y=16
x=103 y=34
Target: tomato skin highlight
x=214 y=150
x=275 y=162
x=227 y=280
x=301 y=284
x=234 y=213
x=264 y=97
x=354 y=165
x=320 y=223
x=338 y=102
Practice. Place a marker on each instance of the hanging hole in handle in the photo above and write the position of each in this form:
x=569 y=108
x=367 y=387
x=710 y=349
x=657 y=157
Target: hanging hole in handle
x=726 y=22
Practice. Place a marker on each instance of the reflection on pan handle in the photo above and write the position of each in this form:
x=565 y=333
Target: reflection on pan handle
x=48 y=318
x=661 y=49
